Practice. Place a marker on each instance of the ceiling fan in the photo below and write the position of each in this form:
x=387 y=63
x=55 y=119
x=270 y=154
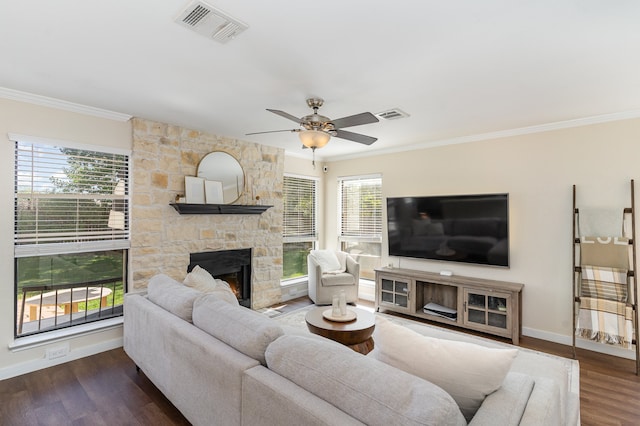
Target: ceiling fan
x=316 y=130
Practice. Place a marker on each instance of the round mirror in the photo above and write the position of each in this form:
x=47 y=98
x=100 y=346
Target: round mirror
x=224 y=177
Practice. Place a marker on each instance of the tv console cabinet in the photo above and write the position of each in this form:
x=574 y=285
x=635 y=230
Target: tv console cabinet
x=487 y=306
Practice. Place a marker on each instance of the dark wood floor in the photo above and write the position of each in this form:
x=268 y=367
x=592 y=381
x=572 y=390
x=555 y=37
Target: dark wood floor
x=105 y=389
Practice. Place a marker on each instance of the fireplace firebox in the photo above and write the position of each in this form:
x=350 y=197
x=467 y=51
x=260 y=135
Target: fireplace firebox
x=232 y=266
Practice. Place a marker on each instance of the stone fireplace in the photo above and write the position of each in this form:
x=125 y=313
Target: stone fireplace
x=162 y=240
x=232 y=266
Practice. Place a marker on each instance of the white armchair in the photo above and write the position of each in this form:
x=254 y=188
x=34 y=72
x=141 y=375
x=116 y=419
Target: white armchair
x=329 y=273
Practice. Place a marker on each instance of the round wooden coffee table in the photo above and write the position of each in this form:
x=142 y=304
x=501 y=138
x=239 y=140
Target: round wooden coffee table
x=355 y=333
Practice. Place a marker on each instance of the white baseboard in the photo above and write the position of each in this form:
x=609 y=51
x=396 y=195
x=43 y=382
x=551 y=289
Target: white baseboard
x=580 y=343
x=39 y=364
x=295 y=290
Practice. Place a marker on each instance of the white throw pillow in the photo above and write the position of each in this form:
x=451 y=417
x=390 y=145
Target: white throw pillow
x=468 y=372
x=327 y=260
x=200 y=279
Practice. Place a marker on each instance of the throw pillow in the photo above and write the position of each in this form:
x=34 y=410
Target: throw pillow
x=327 y=260
x=468 y=372
x=200 y=279
x=172 y=296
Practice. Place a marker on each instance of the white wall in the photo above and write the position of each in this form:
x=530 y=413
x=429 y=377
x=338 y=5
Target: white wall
x=538 y=171
x=32 y=120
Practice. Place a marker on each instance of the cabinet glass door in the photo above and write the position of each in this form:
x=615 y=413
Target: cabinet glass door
x=394 y=292
x=487 y=308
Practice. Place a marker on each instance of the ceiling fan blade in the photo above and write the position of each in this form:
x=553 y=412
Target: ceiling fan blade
x=355 y=120
x=272 y=131
x=355 y=137
x=285 y=115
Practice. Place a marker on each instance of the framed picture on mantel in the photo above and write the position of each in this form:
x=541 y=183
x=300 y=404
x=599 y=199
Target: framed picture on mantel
x=213 y=192
x=194 y=189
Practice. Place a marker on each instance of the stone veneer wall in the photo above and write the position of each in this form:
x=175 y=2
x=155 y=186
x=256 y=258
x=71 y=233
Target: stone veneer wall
x=162 y=239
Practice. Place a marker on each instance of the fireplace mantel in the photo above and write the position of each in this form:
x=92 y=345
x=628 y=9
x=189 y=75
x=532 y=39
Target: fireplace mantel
x=185 y=208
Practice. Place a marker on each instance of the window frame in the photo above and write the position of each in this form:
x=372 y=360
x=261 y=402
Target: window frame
x=349 y=236
x=312 y=235
x=117 y=238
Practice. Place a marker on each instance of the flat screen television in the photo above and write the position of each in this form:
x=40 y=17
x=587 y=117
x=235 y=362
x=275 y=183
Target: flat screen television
x=457 y=228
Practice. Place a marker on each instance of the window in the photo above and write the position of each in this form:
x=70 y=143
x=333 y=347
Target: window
x=71 y=234
x=299 y=233
x=360 y=210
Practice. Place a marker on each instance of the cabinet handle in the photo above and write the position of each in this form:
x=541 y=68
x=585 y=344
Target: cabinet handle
x=464 y=304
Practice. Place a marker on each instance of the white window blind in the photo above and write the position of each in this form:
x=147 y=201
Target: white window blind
x=299 y=209
x=361 y=208
x=69 y=199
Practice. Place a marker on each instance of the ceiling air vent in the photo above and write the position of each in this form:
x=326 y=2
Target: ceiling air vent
x=392 y=114
x=210 y=22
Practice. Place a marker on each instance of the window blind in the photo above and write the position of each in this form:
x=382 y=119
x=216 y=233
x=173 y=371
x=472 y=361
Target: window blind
x=299 y=195
x=69 y=199
x=361 y=208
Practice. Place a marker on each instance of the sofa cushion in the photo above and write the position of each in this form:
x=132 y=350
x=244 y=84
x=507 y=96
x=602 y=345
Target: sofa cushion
x=171 y=295
x=342 y=278
x=245 y=330
x=371 y=391
x=468 y=372
x=200 y=279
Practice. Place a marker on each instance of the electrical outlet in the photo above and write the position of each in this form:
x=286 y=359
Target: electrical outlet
x=58 y=351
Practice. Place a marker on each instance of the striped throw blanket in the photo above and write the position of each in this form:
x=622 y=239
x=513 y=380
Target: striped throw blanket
x=604 y=283
x=604 y=315
x=605 y=321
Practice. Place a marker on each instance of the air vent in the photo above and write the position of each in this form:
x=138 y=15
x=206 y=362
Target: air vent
x=210 y=22
x=392 y=114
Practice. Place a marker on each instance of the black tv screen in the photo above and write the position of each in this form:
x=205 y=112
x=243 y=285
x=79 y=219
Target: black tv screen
x=458 y=228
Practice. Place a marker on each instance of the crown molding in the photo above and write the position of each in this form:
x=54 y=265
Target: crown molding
x=31 y=98
x=578 y=122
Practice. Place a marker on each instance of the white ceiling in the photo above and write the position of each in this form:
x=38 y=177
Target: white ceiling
x=458 y=67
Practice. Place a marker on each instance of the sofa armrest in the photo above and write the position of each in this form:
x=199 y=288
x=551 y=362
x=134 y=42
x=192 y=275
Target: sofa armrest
x=353 y=268
x=507 y=405
x=269 y=399
x=544 y=405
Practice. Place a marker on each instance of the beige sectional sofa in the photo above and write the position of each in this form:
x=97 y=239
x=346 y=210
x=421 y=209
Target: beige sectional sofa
x=228 y=365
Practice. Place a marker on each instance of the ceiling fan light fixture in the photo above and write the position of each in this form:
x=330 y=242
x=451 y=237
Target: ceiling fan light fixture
x=314 y=138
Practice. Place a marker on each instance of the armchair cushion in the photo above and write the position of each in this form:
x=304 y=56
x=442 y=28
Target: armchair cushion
x=328 y=261
x=342 y=278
